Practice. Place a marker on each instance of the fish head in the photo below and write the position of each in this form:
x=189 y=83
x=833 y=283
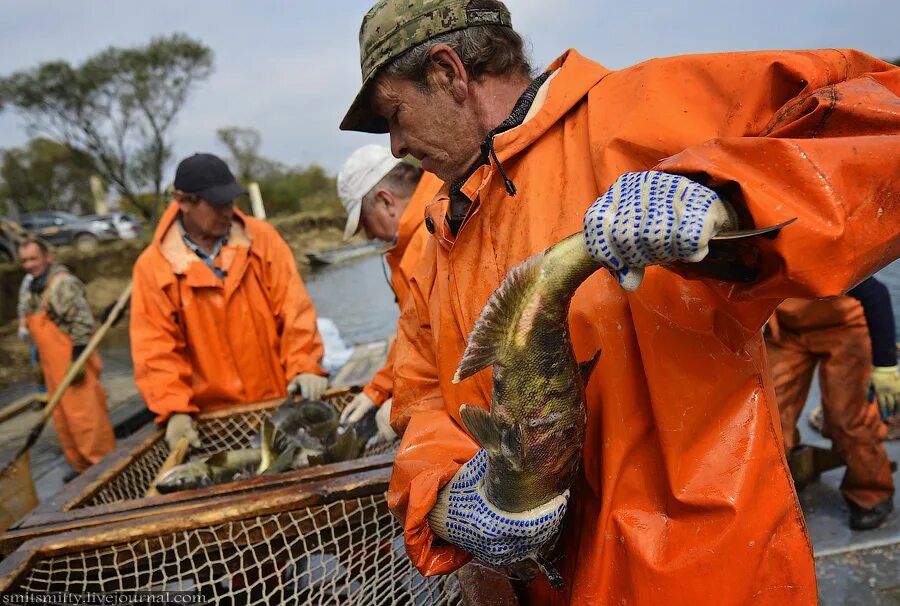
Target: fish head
x=186 y=476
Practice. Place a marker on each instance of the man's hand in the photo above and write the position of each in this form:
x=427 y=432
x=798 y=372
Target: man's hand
x=649 y=218
x=308 y=385
x=463 y=516
x=383 y=421
x=885 y=380
x=181 y=425
x=23 y=333
x=357 y=408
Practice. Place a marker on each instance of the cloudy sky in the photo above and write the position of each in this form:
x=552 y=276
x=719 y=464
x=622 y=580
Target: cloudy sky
x=291 y=68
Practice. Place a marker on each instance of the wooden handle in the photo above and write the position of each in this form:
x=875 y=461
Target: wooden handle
x=175 y=458
x=89 y=349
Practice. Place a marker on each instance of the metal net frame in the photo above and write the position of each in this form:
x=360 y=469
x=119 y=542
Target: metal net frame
x=349 y=551
x=217 y=433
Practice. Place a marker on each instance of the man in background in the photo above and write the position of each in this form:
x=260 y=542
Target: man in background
x=60 y=323
x=386 y=197
x=219 y=315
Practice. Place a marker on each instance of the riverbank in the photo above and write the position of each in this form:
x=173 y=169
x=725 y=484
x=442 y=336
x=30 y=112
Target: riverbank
x=107 y=270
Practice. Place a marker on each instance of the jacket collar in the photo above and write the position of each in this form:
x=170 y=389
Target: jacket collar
x=167 y=239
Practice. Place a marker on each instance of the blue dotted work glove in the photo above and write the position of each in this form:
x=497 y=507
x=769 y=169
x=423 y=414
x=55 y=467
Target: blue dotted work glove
x=648 y=218
x=463 y=516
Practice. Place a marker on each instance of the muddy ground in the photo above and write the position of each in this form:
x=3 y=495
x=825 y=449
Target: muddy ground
x=107 y=270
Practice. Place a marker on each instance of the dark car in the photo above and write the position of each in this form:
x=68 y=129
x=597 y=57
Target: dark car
x=60 y=228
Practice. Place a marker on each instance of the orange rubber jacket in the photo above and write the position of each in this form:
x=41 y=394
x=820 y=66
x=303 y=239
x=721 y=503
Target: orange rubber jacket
x=200 y=343
x=402 y=259
x=685 y=495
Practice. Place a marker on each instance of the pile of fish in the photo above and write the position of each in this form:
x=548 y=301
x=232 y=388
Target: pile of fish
x=295 y=436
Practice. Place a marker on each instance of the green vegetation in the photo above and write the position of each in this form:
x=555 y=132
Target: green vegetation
x=46 y=175
x=118 y=106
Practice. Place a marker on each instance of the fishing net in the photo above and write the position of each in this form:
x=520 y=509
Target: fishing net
x=349 y=551
x=216 y=435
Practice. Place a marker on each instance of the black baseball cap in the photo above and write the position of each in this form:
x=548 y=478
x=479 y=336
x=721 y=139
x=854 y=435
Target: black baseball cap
x=208 y=177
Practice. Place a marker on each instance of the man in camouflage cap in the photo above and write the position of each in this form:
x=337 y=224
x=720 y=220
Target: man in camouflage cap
x=685 y=497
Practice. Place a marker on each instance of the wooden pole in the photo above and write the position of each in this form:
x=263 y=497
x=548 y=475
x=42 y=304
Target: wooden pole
x=175 y=458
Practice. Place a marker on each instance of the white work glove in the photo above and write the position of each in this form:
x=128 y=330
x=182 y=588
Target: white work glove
x=23 y=333
x=885 y=381
x=463 y=516
x=308 y=385
x=357 y=408
x=181 y=425
x=383 y=421
x=649 y=218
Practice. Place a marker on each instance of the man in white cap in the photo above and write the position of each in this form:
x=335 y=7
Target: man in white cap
x=386 y=197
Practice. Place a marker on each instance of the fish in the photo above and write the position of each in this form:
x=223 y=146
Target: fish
x=226 y=466
x=534 y=431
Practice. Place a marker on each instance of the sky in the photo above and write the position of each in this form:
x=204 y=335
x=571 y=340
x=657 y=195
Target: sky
x=291 y=68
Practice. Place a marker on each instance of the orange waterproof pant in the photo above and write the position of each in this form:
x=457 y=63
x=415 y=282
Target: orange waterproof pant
x=843 y=354
x=81 y=419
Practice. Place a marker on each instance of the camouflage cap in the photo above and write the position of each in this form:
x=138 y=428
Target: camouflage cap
x=392 y=27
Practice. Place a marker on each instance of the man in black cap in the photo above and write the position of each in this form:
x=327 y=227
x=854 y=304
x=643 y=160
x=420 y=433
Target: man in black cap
x=219 y=314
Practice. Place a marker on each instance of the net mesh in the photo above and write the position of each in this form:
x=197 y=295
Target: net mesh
x=216 y=434
x=346 y=552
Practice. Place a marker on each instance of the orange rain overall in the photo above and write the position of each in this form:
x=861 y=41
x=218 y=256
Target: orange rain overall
x=833 y=334
x=81 y=419
x=203 y=343
x=402 y=258
x=685 y=497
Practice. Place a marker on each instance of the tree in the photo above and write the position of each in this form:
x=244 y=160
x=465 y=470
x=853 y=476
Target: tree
x=243 y=145
x=46 y=175
x=119 y=106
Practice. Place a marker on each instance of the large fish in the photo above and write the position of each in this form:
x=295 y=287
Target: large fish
x=534 y=431
x=230 y=465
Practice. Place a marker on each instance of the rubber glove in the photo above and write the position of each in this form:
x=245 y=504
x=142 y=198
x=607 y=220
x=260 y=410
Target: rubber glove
x=885 y=381
x=308 y=385
x=357 y=408
x=181 y=425
x=649 y=218
x=23 y=333
x=463 y=516
x=383 y=421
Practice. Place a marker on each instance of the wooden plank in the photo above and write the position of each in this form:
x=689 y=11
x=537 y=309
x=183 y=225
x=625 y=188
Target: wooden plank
x=23 y=403
x=240 y=507
x=177 y=503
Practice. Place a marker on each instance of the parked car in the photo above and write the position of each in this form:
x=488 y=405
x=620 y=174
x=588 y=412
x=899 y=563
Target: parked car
x=57 y=227
x=125 y=224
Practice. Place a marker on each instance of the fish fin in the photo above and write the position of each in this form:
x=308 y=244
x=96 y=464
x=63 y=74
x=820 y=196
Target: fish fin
x=587 y=367
x=511 y=445
x=282 y=463
x=489 y=333
x=546 y=566
x=479 y=423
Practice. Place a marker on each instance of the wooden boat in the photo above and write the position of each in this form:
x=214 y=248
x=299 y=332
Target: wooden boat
x=333 y=256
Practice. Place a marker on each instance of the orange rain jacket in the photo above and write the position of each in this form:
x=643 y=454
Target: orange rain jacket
x=199 y=342
x=685 y=496
x=402 y=258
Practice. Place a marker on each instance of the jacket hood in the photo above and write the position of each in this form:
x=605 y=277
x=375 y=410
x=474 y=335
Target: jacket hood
x=574 y=77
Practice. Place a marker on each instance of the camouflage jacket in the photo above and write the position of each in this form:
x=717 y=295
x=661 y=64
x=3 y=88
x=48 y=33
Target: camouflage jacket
x=67 y=305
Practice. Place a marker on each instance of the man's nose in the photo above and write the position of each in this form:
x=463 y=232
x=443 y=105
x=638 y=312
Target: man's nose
x=398 y=145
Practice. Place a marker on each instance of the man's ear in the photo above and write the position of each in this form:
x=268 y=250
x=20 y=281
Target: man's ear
x=387 y=197
x=446 y=71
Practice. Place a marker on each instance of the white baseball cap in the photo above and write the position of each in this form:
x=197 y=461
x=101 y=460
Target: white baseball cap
x=360 y=173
